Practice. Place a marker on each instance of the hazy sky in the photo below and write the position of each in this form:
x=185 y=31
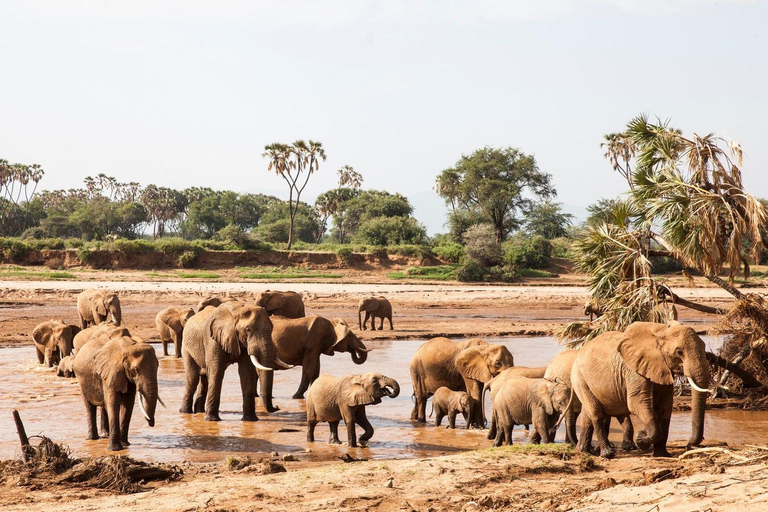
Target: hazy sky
x=187 y=93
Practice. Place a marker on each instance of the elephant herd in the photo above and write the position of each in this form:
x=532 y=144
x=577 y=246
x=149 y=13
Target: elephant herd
x=617 y=374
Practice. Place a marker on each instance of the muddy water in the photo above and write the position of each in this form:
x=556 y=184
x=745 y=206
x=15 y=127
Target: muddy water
x=52 y=406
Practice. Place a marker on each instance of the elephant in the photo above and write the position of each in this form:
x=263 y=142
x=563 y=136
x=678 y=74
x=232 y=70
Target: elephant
x=213 y=301
x=53 y=341
x=300 y=341
x=632 y=372
x=287 y=304
x=522 y=401
x=593 y=310
x=496 y=383
x=447 y=402
x=110 y=373
x=332 y=399
x=464 y=366
x=217 y=337
x=108 y=329
x=95 y=306
x=374 y=307
x=66 y=367
x=170 y=322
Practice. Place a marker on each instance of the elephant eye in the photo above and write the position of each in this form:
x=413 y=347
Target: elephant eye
x=678 y=351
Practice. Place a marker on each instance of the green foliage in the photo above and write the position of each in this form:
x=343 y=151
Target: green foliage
x=46 y=243
x=451 y=252
x=86 y=255
x=281 y=273
x=14 y=250
x=481 y=245
x=524 y=251
x=391 y=231
x=133 y=246
x=665 y=265
x=546 y=219
x=473 y=271
x=419 y=251
x=562 y=247
x=187 y=259
x=367 y=205
x=173 y=245
x=438 y=273
x=199 y=275
x=344 y=254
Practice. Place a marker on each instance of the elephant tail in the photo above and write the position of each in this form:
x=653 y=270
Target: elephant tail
x=433 y=407
x=562 y=414
x=486 y=387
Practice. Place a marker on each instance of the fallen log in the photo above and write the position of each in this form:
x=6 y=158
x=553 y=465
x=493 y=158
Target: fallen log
x=745 y=376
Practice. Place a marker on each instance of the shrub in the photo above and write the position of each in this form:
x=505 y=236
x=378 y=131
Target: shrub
x=666 y=265
x=87 y=256
x=525 y=251
x=35 y=233
x=54 y=263
x=481 y=245
x=391 y=231
x=344 y=254
x=133 y=246
x=16 y=251
x=46 y=243
x=561 y=247
x=451 y=252
x=504 y=273
x=174 y=245
x=472 y=270
x=73 y=243
x=187 y=259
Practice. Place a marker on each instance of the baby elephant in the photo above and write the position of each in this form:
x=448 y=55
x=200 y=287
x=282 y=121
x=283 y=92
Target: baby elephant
x=447 y=402
x=332 y=399
x=522 y=401
x=66 y=367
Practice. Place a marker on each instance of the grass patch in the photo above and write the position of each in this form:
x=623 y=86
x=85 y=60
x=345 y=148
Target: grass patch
x=532 y=272
x=437 y=273
x=35 y=274
x=198 y=275
x=527 y=448
x=282 y=273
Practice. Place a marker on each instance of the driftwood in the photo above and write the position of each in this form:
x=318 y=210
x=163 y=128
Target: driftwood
x=749 y=380
x=26 y=450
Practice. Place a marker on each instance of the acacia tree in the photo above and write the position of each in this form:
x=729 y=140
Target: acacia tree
x=295 y=163
x=499 y=185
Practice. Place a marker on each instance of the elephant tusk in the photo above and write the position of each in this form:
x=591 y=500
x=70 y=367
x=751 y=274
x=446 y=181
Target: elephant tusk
x=258 y=365
x=697 y=388
x=141 y=406
x=283 y=363
x=161 y=401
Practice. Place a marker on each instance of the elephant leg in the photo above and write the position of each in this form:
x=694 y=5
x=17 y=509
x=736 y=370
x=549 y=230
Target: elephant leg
x=540 y=425
x=381 y=324
x=310 y=371
x=104 y=423
x=494 y=425
x=40 y=355
x=391 y=328
x=267 y=381
x=212 y=400
x=665 y=415
x=570 y=427
x=535 y=437
x=177 y=344
x=192 y=371
x=420 y=407
x=90 y=411
x=126 y=410
x=365 y=321
x=508 y=433
x=334 y=427
x=165 y=346
x=247 y=374
x=499 y=440
x=362 y=420
x=348 y=415
x=439 y=414
x=452 y=418
x=627 y=442
x=311 y=424
x=644 y=410
x=202 y=393
x=112 y=404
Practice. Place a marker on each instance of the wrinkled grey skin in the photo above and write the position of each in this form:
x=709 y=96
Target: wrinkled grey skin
x=524 y=401
x=66 y=367
x=213 y=301
x=450 y=403
x=53 y=340
x=374 y=307
x=97 y=306
x=170 y=324
x=287 y=304
x=110 y=375
x=332 y=399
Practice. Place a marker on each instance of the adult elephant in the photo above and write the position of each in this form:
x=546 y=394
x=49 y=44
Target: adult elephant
x=301 y=341
x=464 y=366
x=632 y=372
x=107 y=329
x=170 y=323
x=217 y=337
x=110 y=375
x=53 y=341
x=96 y=306
x=287 y=304
x=374 y=307
x=213 y=301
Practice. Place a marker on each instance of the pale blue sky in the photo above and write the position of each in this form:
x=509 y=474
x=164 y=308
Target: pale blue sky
x=187 y=93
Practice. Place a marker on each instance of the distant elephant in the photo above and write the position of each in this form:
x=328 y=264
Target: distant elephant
x=593 y=309
x=496 y=383
x=464 y=366
x=217 y=337
x=632 y=372
x=524 y=401
x=170 y=322
x=213 y=301
x=66 y=367
x=450 y=403
x=53 y=341
x=374 y=307
x=110 y=375
x=300 y=341
x=108 y=329
x=287 y=304
x=96 y=306
x=332 y=399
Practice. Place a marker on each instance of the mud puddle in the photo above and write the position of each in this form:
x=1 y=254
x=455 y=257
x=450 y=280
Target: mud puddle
x=52 y=406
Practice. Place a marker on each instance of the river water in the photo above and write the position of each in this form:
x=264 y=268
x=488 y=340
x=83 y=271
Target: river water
x=52 y=406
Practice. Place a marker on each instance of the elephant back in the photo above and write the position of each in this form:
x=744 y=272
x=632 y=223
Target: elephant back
x=194 y=334
x=560 y=366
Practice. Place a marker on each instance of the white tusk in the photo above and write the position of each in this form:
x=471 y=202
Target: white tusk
x=258 y=365
x=697 y=388
x=161 y=401
x=283 y=363
x=141 y=406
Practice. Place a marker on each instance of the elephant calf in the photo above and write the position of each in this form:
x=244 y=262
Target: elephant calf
x=332 y=399
x=447 y=402
x=66 y=367
x=522 y=401
x=374 y=307
x=170 y=323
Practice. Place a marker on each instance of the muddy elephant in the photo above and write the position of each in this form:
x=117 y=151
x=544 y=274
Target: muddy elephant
x=374 y=307
x=170 y=323
x=110 y=375
x=213 y=301
x=332 y=399
x=496 y=383
x=450 y=403
x=301 y=341
x=524 y=401
x=96 y=306
x=287 y=304
x=217 y=337
x=107 y=329
x=66 y=367
x=53 y=340
x=632 y=372
x=464 y=366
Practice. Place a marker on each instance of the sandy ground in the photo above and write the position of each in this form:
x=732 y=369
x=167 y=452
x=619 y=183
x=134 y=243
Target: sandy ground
x=480 y=480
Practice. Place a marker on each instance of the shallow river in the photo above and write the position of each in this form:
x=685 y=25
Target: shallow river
x=52 y=406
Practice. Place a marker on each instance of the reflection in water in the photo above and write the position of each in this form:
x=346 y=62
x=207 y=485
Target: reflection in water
x=52 y=406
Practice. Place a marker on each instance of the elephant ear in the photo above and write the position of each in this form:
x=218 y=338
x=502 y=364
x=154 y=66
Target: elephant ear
x=221 y=328
x=541 y=394
x=357 y=394
x=97 y=304
x=341 y=329
x=74 y=329
x=276 y=301
x=640 y=350
x=110 y=364
x=471 y=364
x=41 y=333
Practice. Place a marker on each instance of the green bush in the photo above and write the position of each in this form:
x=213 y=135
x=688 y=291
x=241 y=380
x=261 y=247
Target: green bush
x=344 y=254
x=471 y=271
x=47 y=243
x=174 y=245
x=451 y=252
x=187 y=259
x=87 y=256
x=562 y=247
x=525 y=251
x=133 y=246
x=15 y=251
x=391 y=231
x=666 y=265
x=481 y=245
x=73 y=243
x=503 y=273
x=35 y=233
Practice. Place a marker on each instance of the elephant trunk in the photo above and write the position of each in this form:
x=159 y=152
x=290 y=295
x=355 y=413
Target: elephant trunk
x=148 y=396
x=391 y=383
x=267 y=381
x=117 y=315
x=49 y=353
x=262 y=348
x=700 y=375
x=358 y=351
